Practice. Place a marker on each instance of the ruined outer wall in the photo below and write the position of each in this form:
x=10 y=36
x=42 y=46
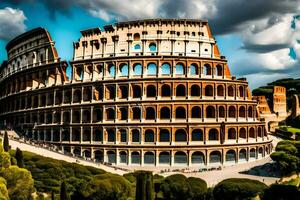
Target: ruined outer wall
x=279 y=100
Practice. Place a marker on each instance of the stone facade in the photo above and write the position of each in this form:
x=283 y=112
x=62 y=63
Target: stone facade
x=150 y=92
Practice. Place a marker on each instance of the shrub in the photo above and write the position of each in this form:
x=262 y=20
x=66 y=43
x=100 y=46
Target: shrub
x=175 y=187
x=238 y=189
x=281 y=192
x=289 y=148
x=198 y=187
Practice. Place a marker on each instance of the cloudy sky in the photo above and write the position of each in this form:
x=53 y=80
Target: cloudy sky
x=261 y=39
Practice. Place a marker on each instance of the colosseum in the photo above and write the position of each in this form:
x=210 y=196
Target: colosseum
x=147 y=92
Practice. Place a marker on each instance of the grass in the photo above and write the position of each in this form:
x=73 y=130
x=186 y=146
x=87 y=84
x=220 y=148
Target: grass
x=294 y=182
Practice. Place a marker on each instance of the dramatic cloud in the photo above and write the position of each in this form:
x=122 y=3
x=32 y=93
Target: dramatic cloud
x=11 y=23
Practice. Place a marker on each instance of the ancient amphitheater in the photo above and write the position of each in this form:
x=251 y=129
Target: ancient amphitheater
x=148 y=92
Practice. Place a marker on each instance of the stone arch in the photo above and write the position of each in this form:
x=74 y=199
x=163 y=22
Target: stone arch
x=179 y=69
x=197 y=135
x=242 y=112
x=230 y=156
x=220 y=90
x=215 y=157
x=207 y=70
x=196 y=112
x=137 y=91
x=242 y=155
x=164 y=135
x=86 y=135
x=230 y=91
x=251 y=133
x=232 y=112
x=231 y=134
x=180 y=157
x=123 y=157
x=136 y=113
x=149 y=157
x=180 y=135
x=151 y=91
x=149 y=135
x=150 y=113
x=111 y=156
x=195 y=90
x=164 y=157
x=252 y=154
x=99 y=156
x=213 y=134
x=210 y=112
x=135 y=135
x=151 y=69
x=165 y=69
x=111 y=135
x=219 y=70
x=123 y=67
x=165 y=90
x=180 y=90
x=135 y=158
x=221 y=112
x=194 y=69
x=87 y=94
x=243 y=133
x=110 y=114
x=209 y=91
x=123 y=91
x=165 y=113
x=180 y=113
x=86 y=116
x=77 y=96
x=241 y=91
x=198 y=157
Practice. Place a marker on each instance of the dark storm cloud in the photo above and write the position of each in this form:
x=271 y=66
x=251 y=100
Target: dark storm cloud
x=263 y=48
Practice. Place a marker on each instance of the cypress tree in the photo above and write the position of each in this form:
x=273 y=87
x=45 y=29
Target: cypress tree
x=19 y=158
x=144 y=186
x=52 y=195
x=64 y=195
x=6 y=142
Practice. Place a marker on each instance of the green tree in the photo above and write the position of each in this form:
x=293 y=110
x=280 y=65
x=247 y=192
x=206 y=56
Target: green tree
x=6 y=142
x=281 y=192
x=144 y=186
x=238 y=189
x=19 y=157
x=3 y=189
x=64 y=195
x=198 y=188
x=175 y=187
x=287 y=163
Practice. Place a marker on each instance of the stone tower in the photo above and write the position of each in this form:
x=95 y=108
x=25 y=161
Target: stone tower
x=279 y=100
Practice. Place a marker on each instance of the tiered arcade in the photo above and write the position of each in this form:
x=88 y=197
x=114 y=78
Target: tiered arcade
x=149 y=92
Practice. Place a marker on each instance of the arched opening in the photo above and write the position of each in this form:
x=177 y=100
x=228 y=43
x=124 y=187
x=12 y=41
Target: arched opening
x=250 y=112
x=152 y=46
x=65 y=135
x=197 y=135
x=77 y=96
x=151 y=91
x=197 y=157
x=149 y=135
x=242 y=112
x=123 y=69
x=136 y=113
x=220 y=90
x=213 y=134
x=219 y=70
x=164 y=157
x=180 y=157
x=111 y=70
x=221 y=112
x=97 y=135
x=137 y=69
x=137 y=91
x=124 y=91
x=99 y=156
x=150 y=113
x=76 y=137
x=110 y=114
x=252 y=154
x=231 y=156
x=165 y=113
x=149 y=158
x=215 y=157
x=196 y=112
x=165 y=69
x=67 y=96
x=164 y=135
x=56 y=117
x=165 y=91
x=137 y=47
x=195 y=91
x=97 y=115
x=43 y=101
x=210 y=112
x=86 y=116
x=135 y=135
x=241 y=91
x=242 y=155
x=230 y=91
x=76 y=117
x=179 y=69
x=242 y=133
x=231 y=134
x=123 y=157
x=209 y=91
x=111 y=157
x=251 y=133
x=135 y=158
x=77 y=151
x=180 y=136
x=260 y=152
x=180 y=113
x=111 y=135
x=207 y=69
x=232 y=113
x=87 y=94
x=259 y=132
x=86 y=135
x=180 y=91
x=194 y=69
x=151 y=69
x=123 y=135
x=123 y=113
x=136 y=37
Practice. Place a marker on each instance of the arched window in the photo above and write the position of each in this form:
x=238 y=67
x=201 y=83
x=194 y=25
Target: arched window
x=111 y=136
x=66 y=117
x=179 y=69
x=165 y=113
x=151 y=69
x=150 y=113
x=180 y=91
x=111 y=70
x=124 y=113
x=180 y=157
x=149 y=135
x=198 y=158
x=77 y=96
x=220 y=90
x=111 y=156
x=149 y=158
x=124 y=91
x=180 y=113
x=195 y=91
x=251 y=133
x=165 y=91
x=193 y=69
x=75 y=117
x=215 y=157
x=213 y=134
x=197 y=135
x=207 y=69
x=241 y=91
x=231 y=134
x=180 y=136
x=151 y=91
x=164 y=135
x=152 y=47
x=209 y=91
x=196 y=112
x=86 y=135
x=136 y=37
x=135 y=135
x=210 y=112
x=230 y=156
x=164 y=158
x=111 y=92
x=136 y=113
x=110 y=114
x=242 y=155
x=123 y=135
x=137 y=47
x=242 y=112
x=219 y=70
x=221 y=112
x=86 y=116
x=137 y=69
x=230 y=91
x=123 y=70
x=123 y=157
x=87 y=94
x=259 y=132
x=242 y=133
x=250 y=112
x=135 y=158
x=232 y=112
x=137 y=91
x=165 y=69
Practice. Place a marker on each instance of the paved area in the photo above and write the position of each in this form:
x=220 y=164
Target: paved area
x=211 y=177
